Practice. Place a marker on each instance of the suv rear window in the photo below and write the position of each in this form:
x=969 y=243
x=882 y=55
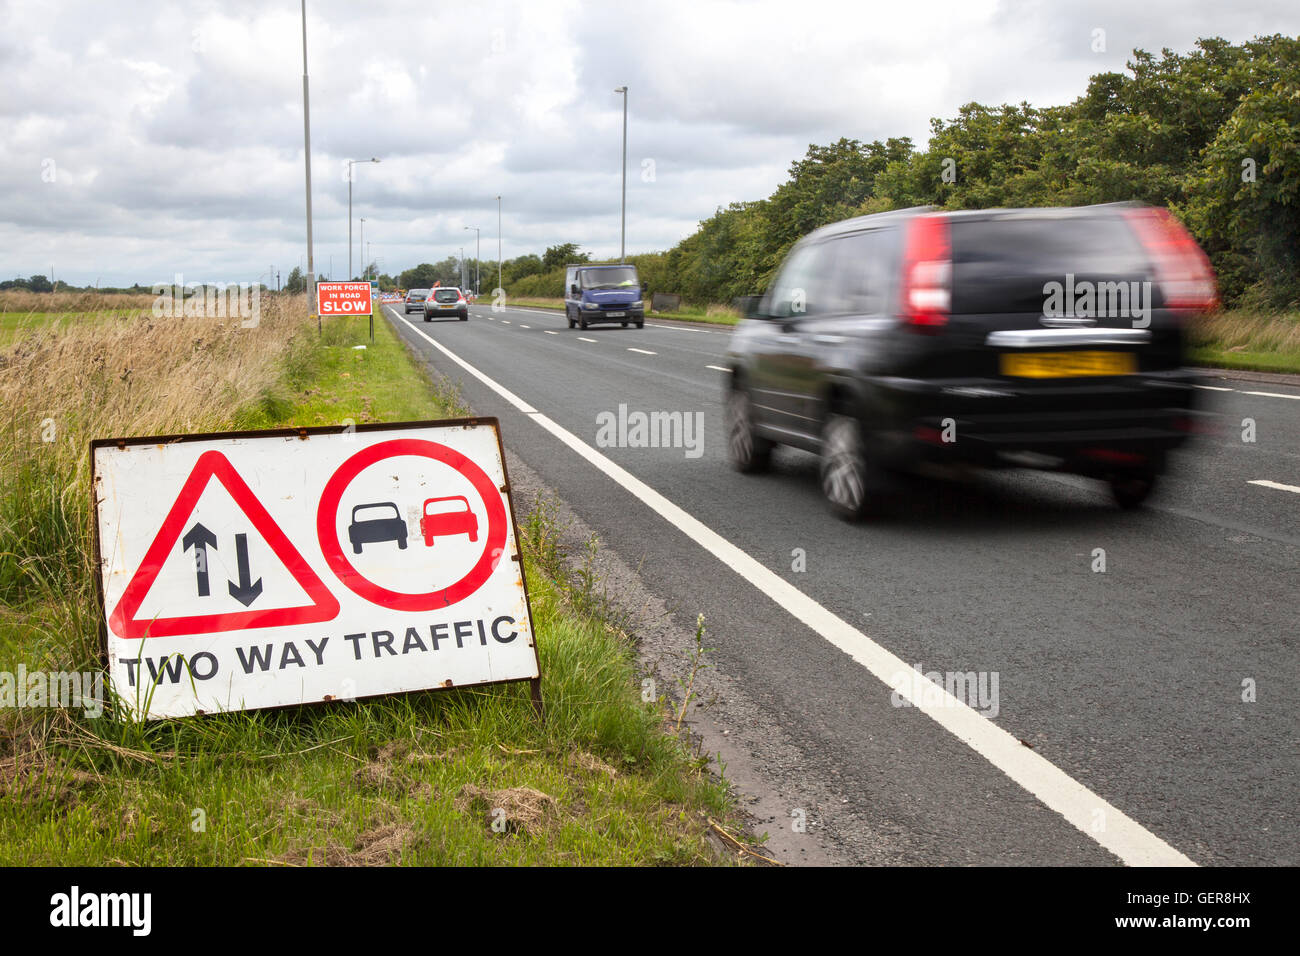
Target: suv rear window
x=1000 y=264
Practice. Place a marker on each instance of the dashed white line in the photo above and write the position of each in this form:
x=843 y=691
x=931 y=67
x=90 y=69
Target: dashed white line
x=522 y=326
x=582 y=338
x=550 y=332
x=643 y=351
x=505 y=321
x=1273 y=395
x=718 y=368
x=1274 y=484
x=1052 y=786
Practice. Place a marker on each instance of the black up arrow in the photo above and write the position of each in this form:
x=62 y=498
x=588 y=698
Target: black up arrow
x=245 y=593
x=200 y=539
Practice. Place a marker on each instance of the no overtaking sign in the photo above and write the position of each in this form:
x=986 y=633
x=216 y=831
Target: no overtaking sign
x=262 y=569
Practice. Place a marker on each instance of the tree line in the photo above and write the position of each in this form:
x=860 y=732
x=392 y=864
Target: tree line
x=1213 y=134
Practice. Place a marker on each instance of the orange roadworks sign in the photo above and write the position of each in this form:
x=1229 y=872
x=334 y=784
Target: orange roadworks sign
x=343 y=298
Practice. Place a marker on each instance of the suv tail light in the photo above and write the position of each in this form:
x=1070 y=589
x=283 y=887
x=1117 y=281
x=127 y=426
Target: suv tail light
x=927 y=273
x=1183 y=271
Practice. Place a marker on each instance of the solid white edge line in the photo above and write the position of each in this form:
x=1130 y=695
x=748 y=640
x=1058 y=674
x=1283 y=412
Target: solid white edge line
x=1214 y=388
x=1083 y=809
x=1264 y=483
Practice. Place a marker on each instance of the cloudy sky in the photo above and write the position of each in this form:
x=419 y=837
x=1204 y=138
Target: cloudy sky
x=143 y=139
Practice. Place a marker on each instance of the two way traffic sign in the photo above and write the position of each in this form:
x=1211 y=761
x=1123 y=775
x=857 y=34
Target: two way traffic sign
x=308 y=565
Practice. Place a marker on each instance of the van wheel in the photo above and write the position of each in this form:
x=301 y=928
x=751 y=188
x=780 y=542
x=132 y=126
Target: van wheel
x=1131 y=489
x=624 y=325
x=641 y=324
x=749 y=453
x=569 y=315
x=582 y=322
x=844 y=471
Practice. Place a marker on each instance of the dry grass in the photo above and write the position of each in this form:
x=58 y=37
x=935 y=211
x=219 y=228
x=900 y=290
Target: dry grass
x=717 y=312
x=1247 y=331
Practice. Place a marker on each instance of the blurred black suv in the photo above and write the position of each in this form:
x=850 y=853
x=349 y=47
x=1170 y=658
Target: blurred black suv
x=1046 y=338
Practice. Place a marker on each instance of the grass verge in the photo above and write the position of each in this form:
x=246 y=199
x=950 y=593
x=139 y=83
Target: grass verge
x=454 y=777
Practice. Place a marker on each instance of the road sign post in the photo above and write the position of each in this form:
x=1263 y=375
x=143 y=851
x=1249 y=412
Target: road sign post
x=263 y=569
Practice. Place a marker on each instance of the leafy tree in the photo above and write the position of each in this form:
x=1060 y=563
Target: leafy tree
x=563 y=255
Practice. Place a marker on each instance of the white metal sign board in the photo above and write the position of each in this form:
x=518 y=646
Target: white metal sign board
x=263 y=569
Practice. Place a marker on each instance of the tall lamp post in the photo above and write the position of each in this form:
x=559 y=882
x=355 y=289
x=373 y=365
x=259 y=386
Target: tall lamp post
x=351 y=163
x=499 y=242
x=476 y=256
x=362 y=241
x=622 y=239
x=306 y=155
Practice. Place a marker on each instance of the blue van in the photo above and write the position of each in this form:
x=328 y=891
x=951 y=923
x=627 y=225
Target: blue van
x=603 y=294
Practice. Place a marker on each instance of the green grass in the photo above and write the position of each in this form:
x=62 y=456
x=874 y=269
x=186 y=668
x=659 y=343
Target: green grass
x=413 y=779
x=13 y=325
x=1211 y=357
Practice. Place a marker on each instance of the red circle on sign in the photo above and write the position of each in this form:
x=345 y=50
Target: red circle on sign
x=327 y=526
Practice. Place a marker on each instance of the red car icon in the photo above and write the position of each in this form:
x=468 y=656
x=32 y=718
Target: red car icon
x=439 y=524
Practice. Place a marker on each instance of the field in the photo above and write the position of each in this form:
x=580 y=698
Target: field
x=459 y=777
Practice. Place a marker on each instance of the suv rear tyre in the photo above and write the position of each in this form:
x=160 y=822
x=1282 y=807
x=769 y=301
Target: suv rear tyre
x=748 y=452
x=1132 y=489
x=845 y=475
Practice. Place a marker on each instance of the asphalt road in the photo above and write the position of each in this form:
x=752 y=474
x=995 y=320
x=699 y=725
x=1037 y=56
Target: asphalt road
x=1130 y=681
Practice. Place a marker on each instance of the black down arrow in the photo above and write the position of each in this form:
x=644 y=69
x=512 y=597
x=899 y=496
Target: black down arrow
x=245 y=593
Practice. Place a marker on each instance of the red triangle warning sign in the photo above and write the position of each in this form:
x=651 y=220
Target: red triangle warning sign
x=321 y=606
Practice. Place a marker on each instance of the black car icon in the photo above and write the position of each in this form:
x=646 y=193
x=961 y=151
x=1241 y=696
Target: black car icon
x=387 y=525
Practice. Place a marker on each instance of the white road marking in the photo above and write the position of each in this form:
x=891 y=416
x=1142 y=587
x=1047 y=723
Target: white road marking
x=678 y=328
x=522 y=326
x=584 y=339
x=718 y=368
x=1275 y=484
x=1121 y=835
x=1273 y=395
x=550 y=332
x=643 y=351
x=505 y=321
x=1242 y=391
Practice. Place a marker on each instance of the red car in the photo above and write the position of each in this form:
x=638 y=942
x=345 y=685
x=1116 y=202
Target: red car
x=442 y=523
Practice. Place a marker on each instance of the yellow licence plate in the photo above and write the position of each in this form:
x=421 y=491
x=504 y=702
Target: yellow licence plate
x=1067 y=364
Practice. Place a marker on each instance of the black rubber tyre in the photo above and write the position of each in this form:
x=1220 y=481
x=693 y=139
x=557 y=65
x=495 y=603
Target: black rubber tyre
x=641 y=324
x=749 y=453
x=582 y=322
x=845 y=474
x=1132 y=489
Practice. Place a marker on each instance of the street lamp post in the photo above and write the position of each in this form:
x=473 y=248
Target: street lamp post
x=476 y=256
x=499 y=242
x=306 y=155
x=361 y=243
x=351 y=163
x=622 y=240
